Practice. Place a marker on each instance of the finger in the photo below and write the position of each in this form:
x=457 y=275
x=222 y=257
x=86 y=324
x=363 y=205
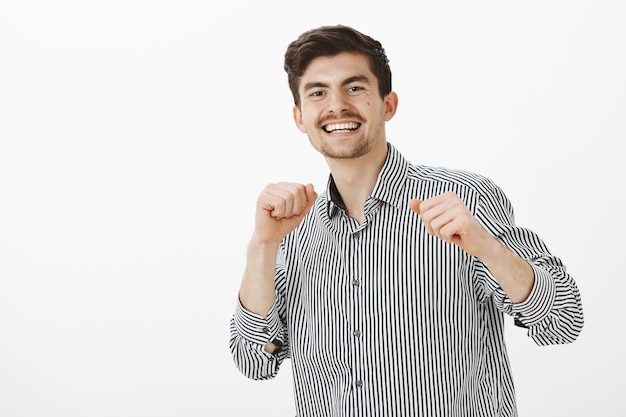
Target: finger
x=287 y=200
x=414 y=204
x=274 y=205
x=311 y=195
x=448 y=231
x=299 y=198
x=274 y=200
x=283 y=206
x=435 y=218
x=304 y=197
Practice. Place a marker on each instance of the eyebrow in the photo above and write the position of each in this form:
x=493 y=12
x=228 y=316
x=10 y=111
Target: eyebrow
x=356 y=78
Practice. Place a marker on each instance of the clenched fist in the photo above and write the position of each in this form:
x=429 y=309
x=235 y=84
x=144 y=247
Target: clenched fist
x=448 y=218
x=280 y=209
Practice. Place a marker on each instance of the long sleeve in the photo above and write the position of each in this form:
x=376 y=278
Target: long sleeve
x=553 y=312
x=249 y=333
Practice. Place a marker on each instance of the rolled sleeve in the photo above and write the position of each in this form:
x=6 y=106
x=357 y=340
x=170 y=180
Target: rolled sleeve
x=540 y=301
x=254 y=328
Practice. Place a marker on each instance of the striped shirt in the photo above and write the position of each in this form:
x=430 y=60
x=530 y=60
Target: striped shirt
x=383 y=319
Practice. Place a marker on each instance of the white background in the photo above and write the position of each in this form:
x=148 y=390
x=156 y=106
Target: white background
x=135 y=136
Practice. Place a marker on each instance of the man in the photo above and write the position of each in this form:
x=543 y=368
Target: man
x=389 y=290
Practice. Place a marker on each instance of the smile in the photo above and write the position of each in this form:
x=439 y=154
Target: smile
x=341 y=127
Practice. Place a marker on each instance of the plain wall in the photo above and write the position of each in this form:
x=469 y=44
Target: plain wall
x=136 y=135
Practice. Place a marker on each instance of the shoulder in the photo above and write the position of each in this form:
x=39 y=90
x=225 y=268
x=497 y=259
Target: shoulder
x=397 y=163
x=452 y=177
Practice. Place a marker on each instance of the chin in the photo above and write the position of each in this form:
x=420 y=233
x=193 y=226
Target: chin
x=343 y=152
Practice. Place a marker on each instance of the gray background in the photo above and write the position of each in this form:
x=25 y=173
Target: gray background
x=135 y=136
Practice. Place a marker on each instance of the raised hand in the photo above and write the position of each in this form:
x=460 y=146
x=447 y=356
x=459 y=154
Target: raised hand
x=280 y=209
x=448 y=218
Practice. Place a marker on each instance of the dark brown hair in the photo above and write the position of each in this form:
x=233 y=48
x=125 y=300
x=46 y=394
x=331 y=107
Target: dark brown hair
x=331 y=41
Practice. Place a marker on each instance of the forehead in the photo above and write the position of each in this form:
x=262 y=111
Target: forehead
x=337 y=68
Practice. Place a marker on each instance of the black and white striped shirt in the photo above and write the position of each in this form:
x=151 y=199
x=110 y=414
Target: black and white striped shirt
x=382 y=319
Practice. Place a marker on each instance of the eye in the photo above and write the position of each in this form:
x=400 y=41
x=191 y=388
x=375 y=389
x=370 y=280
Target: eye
x=355 y=89
x=316 y=94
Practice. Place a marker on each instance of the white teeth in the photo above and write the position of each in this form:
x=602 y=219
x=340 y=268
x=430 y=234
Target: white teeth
x=341 y=126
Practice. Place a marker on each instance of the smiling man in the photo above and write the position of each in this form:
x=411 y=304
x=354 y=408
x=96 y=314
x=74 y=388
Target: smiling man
x=390 y=288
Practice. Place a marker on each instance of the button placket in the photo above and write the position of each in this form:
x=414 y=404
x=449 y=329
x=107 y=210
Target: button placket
x=357 y=297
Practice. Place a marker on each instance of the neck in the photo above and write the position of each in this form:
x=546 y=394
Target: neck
x=355 y=179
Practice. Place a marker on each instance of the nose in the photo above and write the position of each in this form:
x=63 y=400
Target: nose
x=338 y=103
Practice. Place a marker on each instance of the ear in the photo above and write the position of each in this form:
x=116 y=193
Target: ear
x=391 y=105
x=297 y=117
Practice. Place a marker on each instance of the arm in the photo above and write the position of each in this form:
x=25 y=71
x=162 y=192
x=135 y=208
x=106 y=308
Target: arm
x=525 y=280
x=256 y=322
x=447 y=217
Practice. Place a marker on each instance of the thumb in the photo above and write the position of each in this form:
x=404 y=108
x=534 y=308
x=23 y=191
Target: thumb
x=311 y=195
x=414 y=204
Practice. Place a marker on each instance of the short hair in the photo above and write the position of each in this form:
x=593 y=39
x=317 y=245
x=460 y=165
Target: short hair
x=328 y=41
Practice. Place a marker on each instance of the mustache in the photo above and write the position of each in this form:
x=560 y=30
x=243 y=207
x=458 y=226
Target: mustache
x=347 y=115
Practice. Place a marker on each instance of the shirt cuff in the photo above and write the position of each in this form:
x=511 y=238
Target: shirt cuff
x=255 y=328
x=540 y=301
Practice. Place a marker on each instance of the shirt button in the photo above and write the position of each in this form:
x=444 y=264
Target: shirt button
x=266 y=330
x=357 y=333
x=355 y=282
x=359 y=384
